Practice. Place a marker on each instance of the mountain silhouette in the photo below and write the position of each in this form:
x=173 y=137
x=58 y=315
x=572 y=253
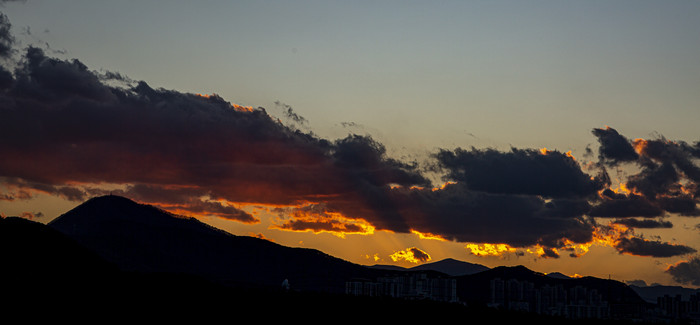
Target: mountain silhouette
x=143 y=238
x=448 y=266
x=624 y=302
x=29 y=249
x=451 y=267
x=652 y=292
x=113 y=255
x=558 y=275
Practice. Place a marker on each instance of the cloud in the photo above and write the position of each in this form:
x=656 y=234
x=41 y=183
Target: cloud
x=77 y=133
x=614 y=148
x=457 y=213
x=31 y=215
x=316 y=218
x=6 y=38
x=686 y=272
x=643 y=247
x=520 y=171
x=413 y=255
x=95 y=133
x=289 y=112
x=623 y=206
x=644 y=223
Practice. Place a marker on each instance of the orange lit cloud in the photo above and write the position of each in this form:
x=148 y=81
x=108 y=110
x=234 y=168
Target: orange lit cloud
x=489 y=249
x=317 y=219
x=412 y=255
x=428 y=235
x=686 y=272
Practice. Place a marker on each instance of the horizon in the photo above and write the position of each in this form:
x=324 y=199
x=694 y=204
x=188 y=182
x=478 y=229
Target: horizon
x=559 y=136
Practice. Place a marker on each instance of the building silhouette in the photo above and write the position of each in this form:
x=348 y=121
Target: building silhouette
x=576 y=302
x=408 y=286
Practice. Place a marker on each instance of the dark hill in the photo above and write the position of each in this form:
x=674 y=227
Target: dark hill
x=145 y=239
x=29 y=249
x=451 y=267
x=651 y=293
x=624 y=302
x=447 y=266
x=558 y=275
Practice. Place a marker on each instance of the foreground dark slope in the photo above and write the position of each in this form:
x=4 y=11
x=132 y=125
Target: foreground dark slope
x=143 y=238
x=30 y=250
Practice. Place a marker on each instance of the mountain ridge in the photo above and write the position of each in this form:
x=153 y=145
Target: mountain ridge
x=448 y=266
x=142 y=238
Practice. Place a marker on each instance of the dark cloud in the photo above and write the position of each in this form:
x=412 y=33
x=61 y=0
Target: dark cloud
x=614 y=148
x=349 y=124
x=654 y=180
x=616 y=205
x=667 y=180
x=23 y=189
x=289 y=112
x=683 y=204
x=520 y=171
x=83 y=131
x=686 y=272
x=6 y=38
x=460 y=214
x=644 y=223
x=6 y=78
x=76 y=133
x=550 y=253
x=644 y=247
x=315 y=218
x=419 y=255
x=31 y=215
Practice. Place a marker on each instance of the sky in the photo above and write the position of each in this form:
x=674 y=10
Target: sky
x=559 y=135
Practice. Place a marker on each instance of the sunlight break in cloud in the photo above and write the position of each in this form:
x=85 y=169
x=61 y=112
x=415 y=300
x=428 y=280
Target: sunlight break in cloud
x=413 y=255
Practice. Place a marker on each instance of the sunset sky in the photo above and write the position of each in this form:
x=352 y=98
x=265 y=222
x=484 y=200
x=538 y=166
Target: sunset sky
x=559 y=135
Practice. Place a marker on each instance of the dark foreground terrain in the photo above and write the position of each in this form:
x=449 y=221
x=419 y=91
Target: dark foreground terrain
x=167 y=297
x=46 y=275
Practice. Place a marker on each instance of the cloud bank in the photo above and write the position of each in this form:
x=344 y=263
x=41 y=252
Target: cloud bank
x=71 y=132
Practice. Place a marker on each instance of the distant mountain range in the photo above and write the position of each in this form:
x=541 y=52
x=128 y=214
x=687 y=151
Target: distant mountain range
x=476 y=287
x=113 y=235
x=651 y=293
x=447 y=266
